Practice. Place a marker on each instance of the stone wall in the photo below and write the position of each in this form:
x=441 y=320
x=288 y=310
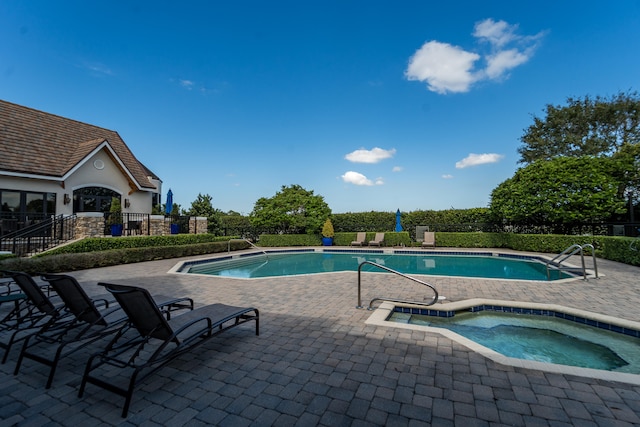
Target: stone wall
x=197 y=225
x=91 y=224
x=159 y=226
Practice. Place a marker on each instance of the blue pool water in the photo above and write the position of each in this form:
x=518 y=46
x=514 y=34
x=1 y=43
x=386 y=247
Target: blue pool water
x=540 y=338
x=296 y=263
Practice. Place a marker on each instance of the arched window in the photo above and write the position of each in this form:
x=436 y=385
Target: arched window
x=93 y=199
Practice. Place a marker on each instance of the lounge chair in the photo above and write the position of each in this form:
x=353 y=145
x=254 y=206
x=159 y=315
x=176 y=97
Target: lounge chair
x=13 y=317
x=360 y=239
x=32 y=309
x=378 y=240
x=429 y=239
x=87 y=321
x=162 y=340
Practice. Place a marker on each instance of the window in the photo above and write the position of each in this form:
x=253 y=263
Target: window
x=25 y=206
x=93 y=199
x=10 y=201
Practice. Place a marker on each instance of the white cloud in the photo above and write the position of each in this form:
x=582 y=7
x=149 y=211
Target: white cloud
x=370 y=156
x=357 y=178
x=497 y=33
x=446 y=68
x=447 y=176
x=443 y=67
x=478 y=159
x=97 y=68
x=503 y=61
x=397 y=169
x=188 y=84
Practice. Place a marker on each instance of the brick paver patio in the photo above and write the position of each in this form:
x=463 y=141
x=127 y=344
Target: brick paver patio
x=316 y=362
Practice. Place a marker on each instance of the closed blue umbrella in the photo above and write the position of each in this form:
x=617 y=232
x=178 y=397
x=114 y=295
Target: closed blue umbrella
x=398 y=225
x=169 y=206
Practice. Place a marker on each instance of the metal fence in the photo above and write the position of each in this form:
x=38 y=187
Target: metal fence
x=39 y=236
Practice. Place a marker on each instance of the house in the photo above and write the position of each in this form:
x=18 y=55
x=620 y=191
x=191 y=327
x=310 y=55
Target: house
x=51 y=166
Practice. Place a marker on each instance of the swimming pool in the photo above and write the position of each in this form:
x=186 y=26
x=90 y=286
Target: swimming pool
x=547 y=337
x=289 y=263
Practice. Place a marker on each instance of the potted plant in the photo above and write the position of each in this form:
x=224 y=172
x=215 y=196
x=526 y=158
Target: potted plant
x=174 y=227
x=327 y=233
x=115 y=217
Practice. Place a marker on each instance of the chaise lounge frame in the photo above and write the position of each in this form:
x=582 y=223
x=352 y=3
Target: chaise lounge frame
x=361 y=238
x=32 y=310
x=151 y=341
x=85 y=321
x=378 y=240
x=429 y=240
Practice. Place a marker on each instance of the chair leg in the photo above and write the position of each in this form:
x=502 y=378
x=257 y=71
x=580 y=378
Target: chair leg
x=8 y=346
x=54 y=366
x=129 y=395
x=257 y=322
x=87 y=369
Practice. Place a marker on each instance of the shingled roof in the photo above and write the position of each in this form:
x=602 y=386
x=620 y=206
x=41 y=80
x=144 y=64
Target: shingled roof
x=36 y=143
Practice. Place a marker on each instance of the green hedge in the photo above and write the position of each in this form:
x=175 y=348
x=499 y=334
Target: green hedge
x=386 y=221
x=548 y=243
x=339 y=239
x=274 y=240
x=81 y=261
x=89 y=253
x=621 y=249
x=95 y=244
x=6 y=256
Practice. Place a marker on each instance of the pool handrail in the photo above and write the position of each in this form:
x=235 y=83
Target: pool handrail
x=556 y=262
x=249 y=242
x=390 y=270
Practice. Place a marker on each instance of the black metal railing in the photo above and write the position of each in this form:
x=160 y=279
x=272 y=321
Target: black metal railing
x=180 y=224
x=39 y=236
x=11 y=222
x=127 y=224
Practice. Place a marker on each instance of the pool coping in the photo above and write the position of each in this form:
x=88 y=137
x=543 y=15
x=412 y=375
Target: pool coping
x=381 y=314
x=177 y=269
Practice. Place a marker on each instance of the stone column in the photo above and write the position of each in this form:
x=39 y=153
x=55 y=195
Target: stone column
x=89 y=224
x=158 y=225
x=198 y=225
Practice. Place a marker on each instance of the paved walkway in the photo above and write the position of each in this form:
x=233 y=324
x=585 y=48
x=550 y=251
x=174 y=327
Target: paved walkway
x=316 y=362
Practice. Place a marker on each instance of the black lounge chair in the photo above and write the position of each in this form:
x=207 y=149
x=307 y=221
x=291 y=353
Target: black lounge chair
x=153 y=341
x=32 y=309
x=13 y=317
x=87 y=321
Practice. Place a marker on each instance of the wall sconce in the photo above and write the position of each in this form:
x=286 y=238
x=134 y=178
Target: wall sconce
x=67 y=199
x=126 y=203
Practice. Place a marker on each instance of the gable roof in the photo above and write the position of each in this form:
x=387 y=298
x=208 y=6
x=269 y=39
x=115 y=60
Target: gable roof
x=41 y=144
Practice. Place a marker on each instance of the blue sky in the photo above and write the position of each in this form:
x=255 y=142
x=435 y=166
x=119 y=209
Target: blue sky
x=374 y=105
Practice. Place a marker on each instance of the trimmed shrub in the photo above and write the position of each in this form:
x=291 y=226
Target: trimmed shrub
x=339 y=239
x=94 y=244
x=81 y=261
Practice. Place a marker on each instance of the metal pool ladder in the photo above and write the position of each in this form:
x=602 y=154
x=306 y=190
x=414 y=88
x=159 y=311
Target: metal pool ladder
x=435 y=299
x=249 y=242
x=556 y=262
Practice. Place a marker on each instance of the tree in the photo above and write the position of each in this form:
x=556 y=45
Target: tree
x=203 y=206
x=563 y=190
x=628 y=157
x=235 y=224
x=292 y=210
x=584 y=127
